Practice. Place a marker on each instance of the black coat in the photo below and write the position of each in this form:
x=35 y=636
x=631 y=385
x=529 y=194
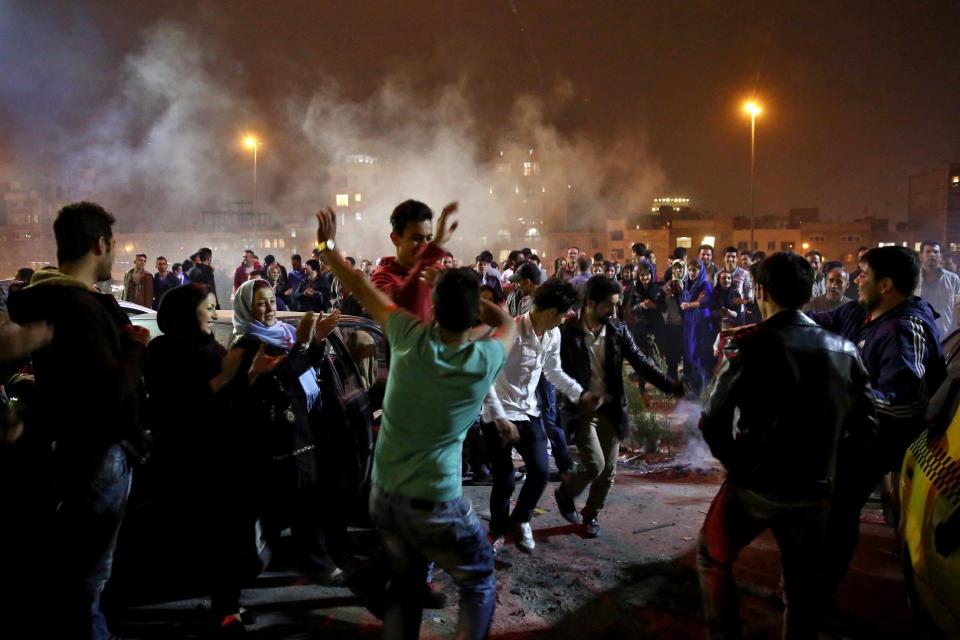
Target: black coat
x=620 y=346
x=797 y=387
x=276 y=406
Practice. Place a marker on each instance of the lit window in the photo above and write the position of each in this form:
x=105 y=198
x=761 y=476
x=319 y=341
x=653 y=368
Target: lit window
x=343 y=199
x=528 y=168
x=358 y=216
x=955 y=182
x=532 y=231
x=710 y=240
x=357 y=197
x=685 y=242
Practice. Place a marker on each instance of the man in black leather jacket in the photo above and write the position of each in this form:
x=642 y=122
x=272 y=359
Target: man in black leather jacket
x=799 y=390
x=593 y=347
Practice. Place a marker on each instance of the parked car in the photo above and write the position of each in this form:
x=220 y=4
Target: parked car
x=355 y=368
x=930 y=506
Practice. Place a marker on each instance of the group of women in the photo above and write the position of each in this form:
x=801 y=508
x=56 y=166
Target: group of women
x=239 y=434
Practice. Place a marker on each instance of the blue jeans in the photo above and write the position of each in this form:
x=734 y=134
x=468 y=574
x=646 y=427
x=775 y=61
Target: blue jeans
x=533 y=449
x=547 y=400
x=450 y=534
x=87 y=522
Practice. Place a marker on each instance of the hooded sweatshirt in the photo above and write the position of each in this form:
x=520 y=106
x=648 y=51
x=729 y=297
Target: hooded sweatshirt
x=902 y=354
x=88 y=378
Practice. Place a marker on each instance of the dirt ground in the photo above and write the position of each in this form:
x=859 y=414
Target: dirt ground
x=637 y=579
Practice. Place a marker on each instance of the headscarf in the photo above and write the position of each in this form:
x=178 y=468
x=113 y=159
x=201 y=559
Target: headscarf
x=177 y=315
x=280 y=335
x=693 y=288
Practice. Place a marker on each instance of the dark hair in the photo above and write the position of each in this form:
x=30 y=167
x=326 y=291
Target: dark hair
x=409 y=211
x=527 y=252
x=747 y=252
x=759 y=256
x=141 y=255
x=930 y=243
x=599 y=288
x=186 y=265
x=177 y=314
x=514 y=255
x=159 y=258
x=555 y=294
x=486 y=256
x=733 y=250
x=643 y=267
x=813 y=252
x=314 y=264
x=900 y=264
x=573 y=246
x=829 y=265
x=24 y=274
x=638 y=248
x=351 y=260
x=78 y=228
x=193 y=256
x=787 y=277
x=296 y=256
x=705 y=246
x=598 y=257
x=205 y=254
x=584 y=263
x=176 y=266
x=559 y=264
x=680 y=253
x=608 y=265
x=269 y=259
x=533 y=258
x=456 y=298
x=650 y=252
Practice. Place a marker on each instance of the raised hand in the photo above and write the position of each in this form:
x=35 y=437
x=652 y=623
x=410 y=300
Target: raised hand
x=443 y=233
x=326 y=225
x=326 y=325
x=262 y=363
x=305 y=327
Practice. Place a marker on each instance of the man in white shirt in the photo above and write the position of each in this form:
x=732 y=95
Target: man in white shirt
x=511 y=413
x=939 y=287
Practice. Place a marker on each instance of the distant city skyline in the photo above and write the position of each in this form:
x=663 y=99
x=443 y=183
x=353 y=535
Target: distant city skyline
x=856 y=96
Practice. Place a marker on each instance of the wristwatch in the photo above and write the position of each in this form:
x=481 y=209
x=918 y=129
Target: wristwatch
x=327 y=244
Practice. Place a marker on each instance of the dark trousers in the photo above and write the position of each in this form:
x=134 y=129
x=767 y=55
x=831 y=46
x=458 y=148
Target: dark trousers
x=855 y=481
x=671 y=346
x=533 y=449
x=475 y=458
x=735 y=518
x=556 y=434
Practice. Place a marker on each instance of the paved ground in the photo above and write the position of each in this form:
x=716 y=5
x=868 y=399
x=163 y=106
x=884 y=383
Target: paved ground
x=636 y=580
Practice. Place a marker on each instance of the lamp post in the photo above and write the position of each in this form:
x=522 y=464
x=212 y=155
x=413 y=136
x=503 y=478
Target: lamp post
x=251 y=142
x=754 y=110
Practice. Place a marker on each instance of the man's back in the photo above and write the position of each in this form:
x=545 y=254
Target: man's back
x=434 y=393
x=87 y=379
x=797 y=387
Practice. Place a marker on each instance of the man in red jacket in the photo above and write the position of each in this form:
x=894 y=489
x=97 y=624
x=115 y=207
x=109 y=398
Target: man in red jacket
x=408 y=278
x=248 y=265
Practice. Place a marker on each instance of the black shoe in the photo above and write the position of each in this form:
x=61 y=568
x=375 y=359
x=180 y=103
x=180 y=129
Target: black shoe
x=591 y=525
x=555 y=476
x=433 y=599
x=566 y=506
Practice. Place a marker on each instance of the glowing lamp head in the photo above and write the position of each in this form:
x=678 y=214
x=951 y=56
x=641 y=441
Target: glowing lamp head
x=250 y=142
x=752 y=108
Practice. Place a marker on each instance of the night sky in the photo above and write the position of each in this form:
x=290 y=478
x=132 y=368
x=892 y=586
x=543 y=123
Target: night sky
x=857 y=95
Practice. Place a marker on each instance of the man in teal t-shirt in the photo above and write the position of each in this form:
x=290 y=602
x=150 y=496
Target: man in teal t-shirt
x=438 y=379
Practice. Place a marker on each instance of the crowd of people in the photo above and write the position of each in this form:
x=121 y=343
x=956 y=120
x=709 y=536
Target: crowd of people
x=828 y=373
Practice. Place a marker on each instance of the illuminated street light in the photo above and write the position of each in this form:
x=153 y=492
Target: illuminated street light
x=250 y=142
x=753 y=109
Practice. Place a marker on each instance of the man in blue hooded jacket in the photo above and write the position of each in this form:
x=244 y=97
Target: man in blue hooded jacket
x=898 y=339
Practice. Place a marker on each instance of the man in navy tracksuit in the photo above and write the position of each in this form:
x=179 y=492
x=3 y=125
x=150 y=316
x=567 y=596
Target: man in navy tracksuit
x=899 y=343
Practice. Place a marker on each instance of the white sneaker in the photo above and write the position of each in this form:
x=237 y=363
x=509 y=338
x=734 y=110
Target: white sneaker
x=523 y=537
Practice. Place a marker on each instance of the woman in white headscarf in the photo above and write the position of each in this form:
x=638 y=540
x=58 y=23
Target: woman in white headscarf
x=275 y=412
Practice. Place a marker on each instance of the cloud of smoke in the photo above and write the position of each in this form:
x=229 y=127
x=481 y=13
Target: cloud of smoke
x=696 y=453
x=165 y=146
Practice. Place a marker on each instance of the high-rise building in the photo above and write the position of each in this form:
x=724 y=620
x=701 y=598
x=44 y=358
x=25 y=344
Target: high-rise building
x=933 y=205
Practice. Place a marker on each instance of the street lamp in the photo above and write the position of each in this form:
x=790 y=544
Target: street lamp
x=251 y=142
x=754 y=110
